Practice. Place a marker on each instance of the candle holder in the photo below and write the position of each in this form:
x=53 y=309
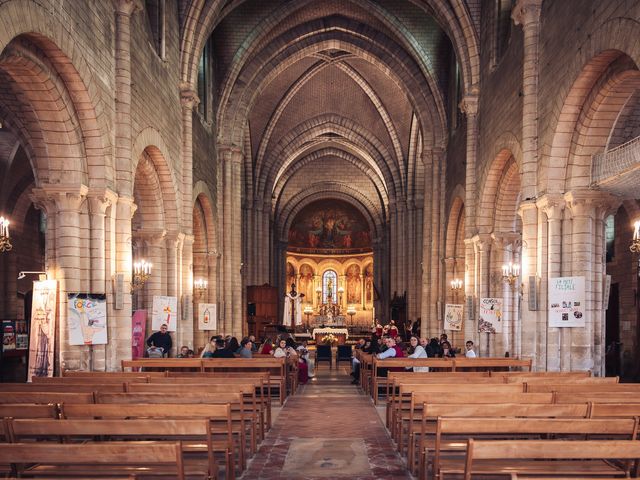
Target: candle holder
x=510 y=273
x=5 y=240
x=635 y=243
x=200 y=286
x=141 y=273
x=456 y=285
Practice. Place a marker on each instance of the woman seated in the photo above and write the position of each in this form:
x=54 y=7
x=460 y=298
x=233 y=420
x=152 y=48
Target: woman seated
x=209 y=348
x=417 y=351
x=266 y=347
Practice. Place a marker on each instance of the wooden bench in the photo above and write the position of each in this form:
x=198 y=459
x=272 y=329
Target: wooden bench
x=94 y=374
x=547 y=457
x=162 y=364
x=613 y=410
x=22 y=410
x=46 y=397
x=84 y=387
x=493 y=364
x=419 y=437
x=94 y=460
x=603 y=387
x=450 y=430
x=187 y=432
x=219 y=416
x=115 y=377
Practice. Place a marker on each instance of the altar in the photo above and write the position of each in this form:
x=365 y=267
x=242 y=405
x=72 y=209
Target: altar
x=329 y=321
x=341 y=334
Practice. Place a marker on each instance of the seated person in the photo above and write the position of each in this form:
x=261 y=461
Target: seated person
x=209 y=348
x=222 y=352
x=184 y=351
x=469 y=350
x=266 y=347
x=245 y=348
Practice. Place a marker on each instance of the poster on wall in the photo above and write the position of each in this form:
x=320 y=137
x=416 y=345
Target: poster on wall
x=453 y=316
x=43 y=328
x=490 y=320
x=87 y=318
x=138 y=334
x=165 y=311
x=8 y=335
x=207 y=316
x=566 y=302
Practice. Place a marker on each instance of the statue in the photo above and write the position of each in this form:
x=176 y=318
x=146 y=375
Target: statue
x=293 y=308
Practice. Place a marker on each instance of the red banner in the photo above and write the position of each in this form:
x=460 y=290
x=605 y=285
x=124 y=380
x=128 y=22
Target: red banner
x=138 y=327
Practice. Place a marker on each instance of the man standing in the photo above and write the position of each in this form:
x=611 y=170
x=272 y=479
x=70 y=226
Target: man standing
x=292 y=308
x=161 y=339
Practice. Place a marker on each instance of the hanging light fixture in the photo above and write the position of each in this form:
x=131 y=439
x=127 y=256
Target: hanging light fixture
x=5 y=240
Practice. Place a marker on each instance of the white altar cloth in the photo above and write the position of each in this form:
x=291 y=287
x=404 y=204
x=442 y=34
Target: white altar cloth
x=328 y=330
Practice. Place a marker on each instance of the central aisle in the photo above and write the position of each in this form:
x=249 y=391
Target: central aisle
x=329 y=429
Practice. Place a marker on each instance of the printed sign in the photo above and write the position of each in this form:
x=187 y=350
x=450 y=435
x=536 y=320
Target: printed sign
x=566 y=302
x=8 y=335
x=490 y=315
x=87 y=318
x=207 y=316
x=138 y=327
x=165 y=311
x=453 y=316
x=43 y=328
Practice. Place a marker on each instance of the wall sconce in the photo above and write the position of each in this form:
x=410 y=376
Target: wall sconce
x=5 y=240
x=308 y=310
x=635 y=243
x=351 y=311
x=200 y=285
x=340 y=292
x=456 y=285
x=42 y=276
x=510 y=273
x=319 y=294
x=141 y=273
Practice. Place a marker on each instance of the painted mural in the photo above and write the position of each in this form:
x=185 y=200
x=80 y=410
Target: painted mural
x=329 y=226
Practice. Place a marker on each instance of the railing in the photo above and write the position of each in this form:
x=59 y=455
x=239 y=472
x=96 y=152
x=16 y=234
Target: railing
x=616 y=162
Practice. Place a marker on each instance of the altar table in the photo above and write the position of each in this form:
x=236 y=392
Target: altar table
x=340 y=333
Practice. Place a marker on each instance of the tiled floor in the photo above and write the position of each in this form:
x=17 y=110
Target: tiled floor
x=329 y=429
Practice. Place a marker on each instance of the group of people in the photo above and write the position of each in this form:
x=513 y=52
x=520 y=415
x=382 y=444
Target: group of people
x=391 y=346
x=229 y=347
x=285 y=346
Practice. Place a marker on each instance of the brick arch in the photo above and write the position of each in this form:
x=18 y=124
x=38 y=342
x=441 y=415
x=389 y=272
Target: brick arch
x=453 y=16
x=203 y=204
x=317 y=156
x=151 y=143
x=501 y=169
x=285 y=214
x=363 y=143
x=507 y=201
x=43 y=29
x=241 y=90
x=595 y=124
x=605 y=44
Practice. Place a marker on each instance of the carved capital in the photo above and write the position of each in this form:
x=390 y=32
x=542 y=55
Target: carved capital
x=230 y=153
x=552 y=206
x=506 y=239
x=127 y=7
x=526 y=12
x=101 y=199
x=56 y=198
x=469 y=104
x=188 y=97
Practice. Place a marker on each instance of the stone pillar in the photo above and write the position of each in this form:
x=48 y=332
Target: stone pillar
x=189 y=100
x=527 y=14
x=553 y=207
x=265 y=252
x=528 y=211
x=483 y=246
x=65 y=202
x=124 y=9
x=436 y=230
x=185 y=290
x=426 y=328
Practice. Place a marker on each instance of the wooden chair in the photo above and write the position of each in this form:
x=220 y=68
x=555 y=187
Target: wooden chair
x=323 y=354
x=344 y=354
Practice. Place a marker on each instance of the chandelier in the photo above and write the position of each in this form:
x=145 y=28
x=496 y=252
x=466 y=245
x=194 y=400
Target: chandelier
x=141 y=273
x=5 y=240
x=200 y=285
x=635 y=243
x=456 y=285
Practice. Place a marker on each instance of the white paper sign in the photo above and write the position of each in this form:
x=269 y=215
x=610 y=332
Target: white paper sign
x=490 y=320
x=165 y=311
x=87 y=319
x=453 y=316
x=207 y=316
x=566 y=302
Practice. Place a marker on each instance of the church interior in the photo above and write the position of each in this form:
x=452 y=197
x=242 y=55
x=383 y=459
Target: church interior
x=329 y=174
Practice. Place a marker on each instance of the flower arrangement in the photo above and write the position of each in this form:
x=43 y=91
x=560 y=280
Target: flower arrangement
x=329 y=339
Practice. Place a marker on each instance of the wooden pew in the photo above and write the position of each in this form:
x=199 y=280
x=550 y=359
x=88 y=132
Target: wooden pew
x=552 y=457
x=595 y=388
x=162 y=364
x=116 y=377
x=46 y=397
x=531 y=378
x=449 y=431
x=187 y=432
x=596 y=397
x=22 y=410
x=241 y=413
x=94 y=374
x=613 y=410
x=499 y=363
x=95 y=460
x=425 y=436
x=85 y=387
x=569 y=374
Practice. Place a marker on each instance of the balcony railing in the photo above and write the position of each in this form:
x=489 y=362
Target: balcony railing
x=618 y=170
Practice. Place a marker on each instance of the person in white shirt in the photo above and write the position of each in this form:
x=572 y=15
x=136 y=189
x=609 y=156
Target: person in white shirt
x=469 y=353
x=417 y=351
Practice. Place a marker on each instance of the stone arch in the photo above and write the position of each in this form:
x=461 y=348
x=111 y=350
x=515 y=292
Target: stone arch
x=287 y=213
x=42 y=29
x=603 y=46
x=501 y=165
x=454 y=244
x=202 y=196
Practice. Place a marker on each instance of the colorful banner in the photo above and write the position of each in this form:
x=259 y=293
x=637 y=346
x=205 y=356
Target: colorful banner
x=43 y=329
x=165 y=311
x=566 y=302
x=453 y=315
x=207 y=316
x=8 y=335
x=490 y=315
x=87 y=318
x=138 y=334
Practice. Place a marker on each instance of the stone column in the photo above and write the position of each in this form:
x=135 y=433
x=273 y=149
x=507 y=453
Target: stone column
x=185 y=290
x=527 y=14
x=528 y=211
x=483 y=246
x=552 y=206
x=124 y=9
x=265 y=252
x=65 y=201
x=426 y=328
x=436 y=230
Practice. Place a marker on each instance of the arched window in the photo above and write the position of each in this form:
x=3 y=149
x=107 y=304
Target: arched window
x=329 y=286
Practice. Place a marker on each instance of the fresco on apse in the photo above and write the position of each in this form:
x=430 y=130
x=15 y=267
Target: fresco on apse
x=329 y=227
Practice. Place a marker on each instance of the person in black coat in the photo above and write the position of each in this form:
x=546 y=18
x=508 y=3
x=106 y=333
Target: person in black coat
x=161 y=339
